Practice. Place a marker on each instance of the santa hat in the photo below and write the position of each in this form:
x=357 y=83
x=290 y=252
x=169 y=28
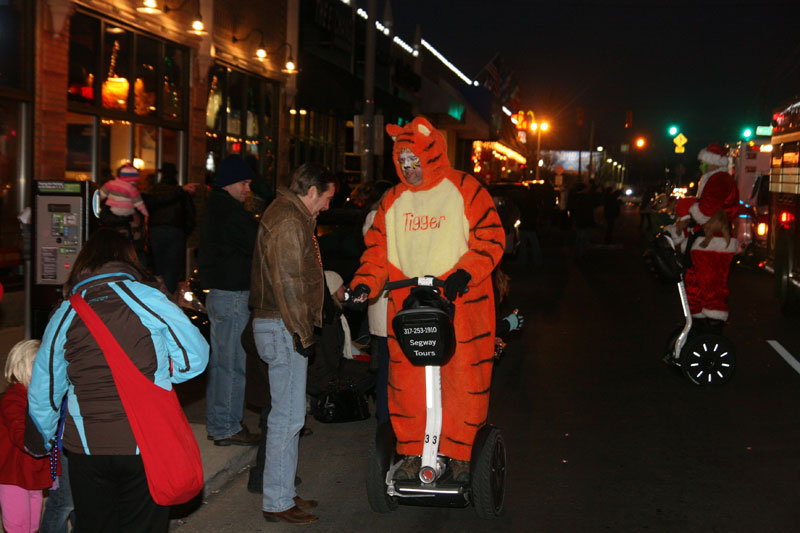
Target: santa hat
x=714 y=154
x=129 y=173
x=717 y=191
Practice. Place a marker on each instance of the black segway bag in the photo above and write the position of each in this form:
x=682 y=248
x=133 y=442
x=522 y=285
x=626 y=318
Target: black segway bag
x=424 y=328
x=666 y=260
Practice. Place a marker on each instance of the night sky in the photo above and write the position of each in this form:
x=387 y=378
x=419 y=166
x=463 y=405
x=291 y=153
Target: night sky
x=709 y=67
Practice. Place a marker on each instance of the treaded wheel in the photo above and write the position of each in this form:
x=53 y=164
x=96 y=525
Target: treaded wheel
x=708 y=359
x=489 y=476
x=381 y=456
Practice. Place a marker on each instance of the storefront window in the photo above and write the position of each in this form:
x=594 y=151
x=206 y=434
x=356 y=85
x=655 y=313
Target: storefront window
x=216 y=82
x=116 y=71
x=9 y=146
x=170 y=147
x=80 y=132
x=145 y=148
x=84 y=47
x=115 y=147
x=235 y=103
x=11 y=43
x=143 y=78
x=146 y=84
x=174 y=59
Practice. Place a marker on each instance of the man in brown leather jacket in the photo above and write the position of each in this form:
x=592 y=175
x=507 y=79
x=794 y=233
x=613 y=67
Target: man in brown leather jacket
x=286 y=291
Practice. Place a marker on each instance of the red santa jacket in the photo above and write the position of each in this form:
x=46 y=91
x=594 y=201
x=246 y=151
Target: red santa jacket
x=18 y=467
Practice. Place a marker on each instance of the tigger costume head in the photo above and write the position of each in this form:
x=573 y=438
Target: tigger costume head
x=420 y=137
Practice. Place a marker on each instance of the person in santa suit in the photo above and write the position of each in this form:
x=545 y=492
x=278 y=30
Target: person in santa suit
x=703 y=227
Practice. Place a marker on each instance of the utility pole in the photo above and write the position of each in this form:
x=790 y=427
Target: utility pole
x=369 y=95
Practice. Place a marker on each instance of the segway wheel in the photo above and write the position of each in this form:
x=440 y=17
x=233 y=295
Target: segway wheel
x=489 y=476
x=380 y=459
x=708 y=359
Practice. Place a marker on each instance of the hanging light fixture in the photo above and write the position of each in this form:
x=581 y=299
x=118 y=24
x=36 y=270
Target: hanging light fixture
x=261 y=51
x=197 y=27
x=290 y=67
x=149 y=7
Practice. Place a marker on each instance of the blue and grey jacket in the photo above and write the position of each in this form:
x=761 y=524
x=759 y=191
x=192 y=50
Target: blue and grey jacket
x=153 y=331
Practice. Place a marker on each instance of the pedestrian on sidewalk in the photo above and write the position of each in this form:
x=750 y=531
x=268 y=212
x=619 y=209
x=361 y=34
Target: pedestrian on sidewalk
x=22 y=476
x=171 y=220
x=226 y=252
x=286 y=297
x=106 y=472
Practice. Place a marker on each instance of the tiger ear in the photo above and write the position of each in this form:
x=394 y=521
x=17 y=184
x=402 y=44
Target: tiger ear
x=423 y=129
x=394 y=130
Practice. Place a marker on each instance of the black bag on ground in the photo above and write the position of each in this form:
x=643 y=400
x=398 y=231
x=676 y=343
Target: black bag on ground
x=341 y=402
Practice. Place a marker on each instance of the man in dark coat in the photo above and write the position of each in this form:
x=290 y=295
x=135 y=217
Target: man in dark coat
x=226 y=250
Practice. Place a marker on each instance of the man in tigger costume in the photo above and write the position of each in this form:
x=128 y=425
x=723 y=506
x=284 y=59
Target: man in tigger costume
x=440 y=222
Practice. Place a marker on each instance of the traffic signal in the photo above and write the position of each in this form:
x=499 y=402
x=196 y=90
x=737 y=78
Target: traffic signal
x=673 y=130
x=747 y=133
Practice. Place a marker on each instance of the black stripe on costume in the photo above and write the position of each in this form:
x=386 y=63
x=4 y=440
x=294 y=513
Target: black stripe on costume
x=393 y=387
x=483 y=217
x=476 y=300
x=433 y=160
x=478 y=393
x=476 y=337
x=398 y=415
x=487 y=226
x=487 y=254
x=463 y=177
x=483 y=361
x=52 y=356
x=127 y=290
x=408 y=441
x=478 y=425
x=433 y=142
x=396 y=361
x=458 y=442
x=477 y=192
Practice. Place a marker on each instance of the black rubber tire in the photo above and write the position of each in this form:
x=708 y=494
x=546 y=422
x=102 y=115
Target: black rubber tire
x=381 y=457
x=488 y=474
x=708 y=359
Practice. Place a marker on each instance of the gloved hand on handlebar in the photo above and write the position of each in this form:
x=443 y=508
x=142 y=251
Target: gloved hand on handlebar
x=456 y=284
x=515 y=321
x=356 y=298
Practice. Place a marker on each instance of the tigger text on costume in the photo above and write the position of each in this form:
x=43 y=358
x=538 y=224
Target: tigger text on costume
x=427 y=231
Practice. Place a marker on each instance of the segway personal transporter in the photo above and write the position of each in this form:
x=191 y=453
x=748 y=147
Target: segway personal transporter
x=424 y=330
x=704 y=357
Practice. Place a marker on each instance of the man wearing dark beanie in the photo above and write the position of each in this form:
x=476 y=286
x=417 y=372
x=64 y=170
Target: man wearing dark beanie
x=226 y=248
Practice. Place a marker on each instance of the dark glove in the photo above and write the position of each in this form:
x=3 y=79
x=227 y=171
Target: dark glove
x=456 y=284
x=356 y=299
x=307 y=351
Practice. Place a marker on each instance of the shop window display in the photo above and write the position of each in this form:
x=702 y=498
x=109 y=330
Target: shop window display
x=116 y=84
x=146 y=84
x=84 y=47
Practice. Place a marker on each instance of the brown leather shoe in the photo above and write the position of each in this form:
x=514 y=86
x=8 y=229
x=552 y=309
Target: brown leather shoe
x=290 y=516
x=243 y=438
x=305 y=505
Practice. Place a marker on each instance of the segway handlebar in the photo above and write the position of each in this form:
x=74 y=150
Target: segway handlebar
x=421 y=281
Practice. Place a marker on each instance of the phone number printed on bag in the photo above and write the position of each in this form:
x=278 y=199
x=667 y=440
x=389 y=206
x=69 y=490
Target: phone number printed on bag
x=417 y=331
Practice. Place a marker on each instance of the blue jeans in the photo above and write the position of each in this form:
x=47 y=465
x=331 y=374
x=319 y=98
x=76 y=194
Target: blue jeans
x=228 y=314
x=59 y=507
x=287 y=383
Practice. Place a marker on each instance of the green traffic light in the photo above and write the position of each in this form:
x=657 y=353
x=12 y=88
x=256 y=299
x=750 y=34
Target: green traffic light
x=747 y=133
x=673 y=130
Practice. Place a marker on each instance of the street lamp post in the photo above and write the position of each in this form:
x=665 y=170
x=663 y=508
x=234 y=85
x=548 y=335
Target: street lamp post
x=539 y=128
